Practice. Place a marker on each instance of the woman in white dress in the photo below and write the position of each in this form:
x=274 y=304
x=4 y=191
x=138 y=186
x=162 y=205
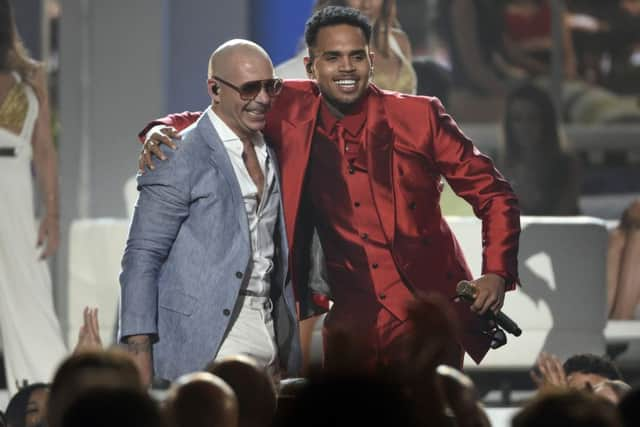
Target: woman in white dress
x=32 y=340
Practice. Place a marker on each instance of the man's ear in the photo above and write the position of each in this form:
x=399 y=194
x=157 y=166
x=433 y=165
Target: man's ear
x=308 y=66
x=213 y=89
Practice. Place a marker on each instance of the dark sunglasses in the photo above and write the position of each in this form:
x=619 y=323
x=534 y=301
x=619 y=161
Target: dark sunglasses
x=250 y=90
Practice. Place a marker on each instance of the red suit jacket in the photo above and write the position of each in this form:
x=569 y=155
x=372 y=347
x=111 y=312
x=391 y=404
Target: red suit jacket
x=411 y=142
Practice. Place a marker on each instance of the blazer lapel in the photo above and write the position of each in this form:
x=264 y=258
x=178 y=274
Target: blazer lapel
x=219 y=158
x=379 y=140
x=296 y=137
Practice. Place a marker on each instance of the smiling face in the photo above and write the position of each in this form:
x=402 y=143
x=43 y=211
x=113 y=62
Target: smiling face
x=244 y=117
x=341 y=65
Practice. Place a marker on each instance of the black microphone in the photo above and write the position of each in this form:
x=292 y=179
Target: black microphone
x=467 y=291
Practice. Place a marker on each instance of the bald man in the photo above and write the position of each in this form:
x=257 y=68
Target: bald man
x=204 y=270
x=201 y=399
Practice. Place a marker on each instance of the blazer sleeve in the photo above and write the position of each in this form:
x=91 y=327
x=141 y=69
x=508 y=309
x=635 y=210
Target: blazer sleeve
x=161 y=208
x=473 y=176
x=179 y=121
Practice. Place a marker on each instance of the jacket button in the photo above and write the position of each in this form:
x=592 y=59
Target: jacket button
x=239 y=274
x=374 y=265
x=412 y=205
x=383 y=296
x=351 y=171
x=226 y=312
x=364 y=236
x=356 y=204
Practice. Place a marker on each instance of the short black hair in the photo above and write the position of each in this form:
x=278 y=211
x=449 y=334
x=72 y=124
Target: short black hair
x=335 y=15
x=592 y=364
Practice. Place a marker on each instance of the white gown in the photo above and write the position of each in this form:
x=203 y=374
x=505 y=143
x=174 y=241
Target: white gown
x=32 y=340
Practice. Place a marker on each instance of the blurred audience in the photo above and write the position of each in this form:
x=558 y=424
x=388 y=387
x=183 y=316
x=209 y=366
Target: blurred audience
x=32 y=340
x=623 y=268
x=86 y=370
x=528 y=39
x=567 y=408
x=112 y=407
x=582 y=372
x=27 y=408
x=628 y=408
x=252 y=386
x=201 y=399
x=532 y=157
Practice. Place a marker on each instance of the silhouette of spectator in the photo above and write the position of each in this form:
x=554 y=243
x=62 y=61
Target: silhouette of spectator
x=623 y=269
x=86 y=370
x=253 y=387
x=542 y=173
x=581 y=371
x=111 y=407
x=27 y=408
x=201 y=399
x=628 y=408
x=567 y=408
x=527 y=37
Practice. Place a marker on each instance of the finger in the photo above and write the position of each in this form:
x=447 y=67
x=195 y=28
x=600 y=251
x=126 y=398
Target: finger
x=155 y=149
x=146 y=156
x=166 y=140
x=173 y=132
x=482 y=302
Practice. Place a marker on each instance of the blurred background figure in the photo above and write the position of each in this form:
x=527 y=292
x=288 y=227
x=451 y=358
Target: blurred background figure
x=544 y=176
x=564 y=408
x=528 y=41
x=201 y=399
x=27 y=408
x=87 y=370
x=31 y=335
x=109 y=407
x=252 y=386
x=623 y=268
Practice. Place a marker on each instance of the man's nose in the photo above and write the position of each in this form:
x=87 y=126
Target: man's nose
x=263 y=97
x=346 y=64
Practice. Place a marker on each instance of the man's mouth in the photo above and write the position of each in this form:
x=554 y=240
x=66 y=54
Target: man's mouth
x=346 y=84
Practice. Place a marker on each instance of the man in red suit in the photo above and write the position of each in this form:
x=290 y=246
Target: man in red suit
x=363 y=167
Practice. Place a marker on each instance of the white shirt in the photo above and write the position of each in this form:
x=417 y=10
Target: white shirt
x=262 y=218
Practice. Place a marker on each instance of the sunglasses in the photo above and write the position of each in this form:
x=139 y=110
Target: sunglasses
x=250 y=90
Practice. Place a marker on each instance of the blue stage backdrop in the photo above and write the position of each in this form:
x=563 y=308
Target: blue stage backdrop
x=278 y=26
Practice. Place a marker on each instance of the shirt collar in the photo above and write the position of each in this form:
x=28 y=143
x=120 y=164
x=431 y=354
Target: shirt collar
x=231 y=141
x=352 y=122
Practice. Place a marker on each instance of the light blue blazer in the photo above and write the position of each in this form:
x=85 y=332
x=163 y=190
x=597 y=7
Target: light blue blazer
x=187 y=253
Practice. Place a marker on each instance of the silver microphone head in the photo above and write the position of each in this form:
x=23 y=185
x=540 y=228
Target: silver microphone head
x=466 y=290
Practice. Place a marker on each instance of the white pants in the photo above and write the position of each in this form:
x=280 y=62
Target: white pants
x=251 y=333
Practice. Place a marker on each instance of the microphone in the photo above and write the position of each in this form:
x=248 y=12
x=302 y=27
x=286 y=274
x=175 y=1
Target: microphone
x=467 y=291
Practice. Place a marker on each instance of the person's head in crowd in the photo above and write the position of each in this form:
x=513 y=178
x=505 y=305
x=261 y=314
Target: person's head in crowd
x=567 y=408
x=350 y=400
x=530 y=124
x=13 y=55
x=628 y=408
x=589 y=370
x=86 y=370
x=612 y=390
x=112 y=407
x=381 y=13
x=242 y=85
x=252 y=385
x=201 y=399
x=458 y=393
x=339 y=58
x=27 y=408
